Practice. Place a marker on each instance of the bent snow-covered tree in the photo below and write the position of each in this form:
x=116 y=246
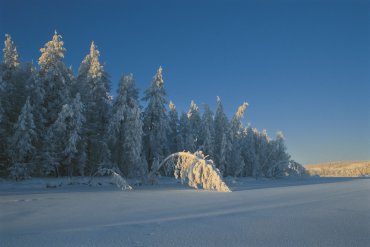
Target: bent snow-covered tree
x=194 y=169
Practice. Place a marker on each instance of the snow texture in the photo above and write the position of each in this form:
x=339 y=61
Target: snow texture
x=281 y=212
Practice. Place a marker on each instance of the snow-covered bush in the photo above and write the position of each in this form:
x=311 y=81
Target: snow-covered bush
x=195 y=170
x=117 y=179
x=296 y=169
x=19 y=171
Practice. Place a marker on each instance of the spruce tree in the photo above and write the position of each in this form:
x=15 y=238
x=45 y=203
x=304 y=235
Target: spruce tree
x=278 y=163
x=127 y=129
x=67 y=131
x=94 y=85
x=222 y=146
x=155 y=120
x=55 y=78
x=10 y=104
x=186 y=134
x=55 y=81
x=263 y=152
x=249 y=152
x=208 y=132
x=235 y=162
x=21 y=147
x=195 y=125
x=3 y=155
x=174 y=134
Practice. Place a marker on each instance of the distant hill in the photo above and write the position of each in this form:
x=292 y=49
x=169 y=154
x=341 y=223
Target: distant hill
x=340 y=169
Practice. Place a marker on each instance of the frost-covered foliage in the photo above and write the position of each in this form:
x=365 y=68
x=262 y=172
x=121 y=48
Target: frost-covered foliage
x=196 y=170
x=12 y=97
x=174 y=136
x=235 y=161
x=222 y=144
x=155 y=120
x=67 y=149
x=195 y=124
x=296 y=169
x=207 y=132
x=75 y=127
x=94 y=85
x=117 y=179
x=278 y=159
x=55 y=77
x=10 y=54
x=21 y=147
x=249 y=154
x=186 y=135
x=56 y=81
x=126 y=129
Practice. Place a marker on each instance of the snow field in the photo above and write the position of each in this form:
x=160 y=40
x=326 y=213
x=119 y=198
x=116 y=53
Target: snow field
x=284 y=212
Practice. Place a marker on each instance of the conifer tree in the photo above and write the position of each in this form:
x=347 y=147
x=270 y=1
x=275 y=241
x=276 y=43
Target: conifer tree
x=9 y=68
x=195 y=124
x=12 y=95
x=249 y=152
x=55 y=78
x=127 y=128
x=263 y=152
x=279 y=159
x=222 y=155
x=208 y=132
x=174 y=132
x=67 y=151
x=155 y=120
x=21 y=148
x=235 y=162
x=186 y=134
x=3 y=155
x=94 y=85
x=222 y=145
x=55 y=81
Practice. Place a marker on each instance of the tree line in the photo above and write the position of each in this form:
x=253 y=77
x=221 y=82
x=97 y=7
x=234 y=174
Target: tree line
x=55 y=123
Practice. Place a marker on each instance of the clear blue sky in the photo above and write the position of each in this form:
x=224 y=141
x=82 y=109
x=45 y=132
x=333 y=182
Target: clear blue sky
x=302 y=65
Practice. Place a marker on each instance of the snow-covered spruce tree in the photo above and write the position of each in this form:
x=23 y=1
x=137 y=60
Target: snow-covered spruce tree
x=21 y=147
x=195 y=124
x=278 y=162
x=36 y=92
x=174 y=133
x=155 y=121
x=235 y=162
x=3 y=155
x=249 y=152
x=222 y=145
x=93 y=84
x=264 y=152
x=2 y=93
x=55 y=77
x=207 y=132
x=10 y=72
x=55 y=81
x=12 y=97
x=126 y=129
x=67 y=150
x=186 y=135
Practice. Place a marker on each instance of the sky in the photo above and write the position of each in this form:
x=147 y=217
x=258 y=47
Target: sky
x=303 y=66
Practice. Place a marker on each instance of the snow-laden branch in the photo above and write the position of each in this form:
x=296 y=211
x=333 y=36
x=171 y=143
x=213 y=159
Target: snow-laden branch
x=195 y=169
x=117 y=179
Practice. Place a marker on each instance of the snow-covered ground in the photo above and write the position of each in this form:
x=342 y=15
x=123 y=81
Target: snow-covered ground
x=284 y=212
